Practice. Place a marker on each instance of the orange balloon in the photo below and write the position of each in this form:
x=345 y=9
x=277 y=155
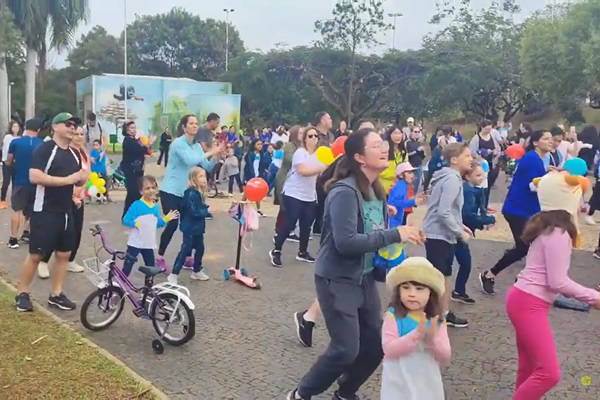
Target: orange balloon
x=256 y=189
x=515 y=151
x=337 y=147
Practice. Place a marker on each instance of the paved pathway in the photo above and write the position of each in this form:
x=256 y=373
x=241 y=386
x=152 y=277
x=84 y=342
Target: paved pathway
x=245 y=346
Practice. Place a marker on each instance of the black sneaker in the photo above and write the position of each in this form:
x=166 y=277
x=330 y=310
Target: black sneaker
x=597 y=253
x=276 y=258
x=293 y=395
x=25 y=237
x=462 y=298
x=13 y=243
x=453 y=320
x=304 y=329
x=337 y=396
x=305 y=257
x=293 y=238
x=487 y=284
x=61 y=301
x=23 y=302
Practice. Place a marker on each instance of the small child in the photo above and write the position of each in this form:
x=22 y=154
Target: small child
x=266 y=160
x=98 y=164
x=232 y=171
x=415 y=335
x=275 y=165
x=401 y=195
x=436 y=162
x=193 y=214
x=143 y=218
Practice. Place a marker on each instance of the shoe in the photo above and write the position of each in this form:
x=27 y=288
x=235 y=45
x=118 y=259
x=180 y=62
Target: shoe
x=3 y=205
x=597 y=253
x=172 y=279
x=25 y=237
x=589 y=220
x=453 y=320
x=293 y=238
x=293 y=395
x=304 y=329
x=199 y=276
x=62 y=302
x=43 y=271
x=23 y=302
x=337 y=396
x=262 y=215
x=74 y=267
x=189 y=263
x=275 y=258
x=160 y=263
x=491 y=210
x=487 y=284
x=13 y=243
x=305 y=257
x=462 y=298
x=229 y=194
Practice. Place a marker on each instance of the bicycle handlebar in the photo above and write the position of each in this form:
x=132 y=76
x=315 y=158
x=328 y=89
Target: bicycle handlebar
x=121 y=255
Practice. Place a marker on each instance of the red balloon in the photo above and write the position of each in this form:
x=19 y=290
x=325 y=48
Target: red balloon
x=337 y=147
x=515 y=151
x=256 y=189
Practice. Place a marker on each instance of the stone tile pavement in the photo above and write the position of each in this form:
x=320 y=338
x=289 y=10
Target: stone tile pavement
x=245 y=346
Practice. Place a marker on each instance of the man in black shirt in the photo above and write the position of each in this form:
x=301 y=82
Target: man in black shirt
x=54 y=169
x=416 y=155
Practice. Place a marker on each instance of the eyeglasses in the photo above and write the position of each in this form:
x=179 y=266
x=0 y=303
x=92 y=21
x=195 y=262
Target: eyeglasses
x=70 y=124
x=311 y=136
x=383 y=146
x=416 y=131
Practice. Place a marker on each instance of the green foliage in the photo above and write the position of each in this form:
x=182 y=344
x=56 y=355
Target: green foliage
x=96 y=53
x=10 y=37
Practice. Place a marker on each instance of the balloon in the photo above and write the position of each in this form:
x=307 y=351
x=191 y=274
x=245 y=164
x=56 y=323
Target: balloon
x=86 y=194
x=256 y=189
x=93 y=191
x=515 y=151
x=100 y=183
x=88 y=184
x=144 y=140
x=337 y=147
x=101 y=190
x=485 y=166
x=94 y=177
x=576 y=166
x=324 y=155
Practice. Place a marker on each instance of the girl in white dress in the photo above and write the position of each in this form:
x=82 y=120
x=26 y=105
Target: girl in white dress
x=415 y=341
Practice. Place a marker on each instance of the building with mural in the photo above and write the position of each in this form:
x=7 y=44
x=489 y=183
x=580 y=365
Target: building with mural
x=154 y=102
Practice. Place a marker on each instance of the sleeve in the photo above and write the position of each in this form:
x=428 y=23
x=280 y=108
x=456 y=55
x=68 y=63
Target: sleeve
x=343 y=206
x=160 y=221
x=394 y=345
x=450 y=192
x=299 y=157
x=11 y=147
x=533 y=168
x=41 y=156
x=288 y=154
x=196 y=206
x=474 y=145
x=131 y=215
x=397 y=198
x=190 y=156
x=440 y=348
x=557 y=248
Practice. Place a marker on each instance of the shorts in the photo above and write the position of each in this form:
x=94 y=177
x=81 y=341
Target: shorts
x=441 y=254
x=22 y=198
x=50 y=232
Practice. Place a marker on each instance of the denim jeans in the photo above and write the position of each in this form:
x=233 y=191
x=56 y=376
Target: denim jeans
x=190 y=242
x=147 y=255
x=417 y=182
x=463 y=257
x=296 y=211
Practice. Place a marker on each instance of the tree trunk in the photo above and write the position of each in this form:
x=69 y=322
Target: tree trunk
x=30 y=69
x=4 y=117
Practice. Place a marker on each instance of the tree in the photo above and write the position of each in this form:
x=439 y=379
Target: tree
x=355 y=25
x=180 y=44
x=96 y=53
x=35 y=19
x=9 y=43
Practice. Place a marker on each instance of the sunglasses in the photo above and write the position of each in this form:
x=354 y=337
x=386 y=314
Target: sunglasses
x=311 y=136
x=416 y=131
x=70 y=124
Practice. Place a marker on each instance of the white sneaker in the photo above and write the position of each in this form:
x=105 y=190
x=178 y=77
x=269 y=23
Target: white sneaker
x=172 y=278
x=590 y=220
x=43 y=271
x=74 y=267
x=199 y=276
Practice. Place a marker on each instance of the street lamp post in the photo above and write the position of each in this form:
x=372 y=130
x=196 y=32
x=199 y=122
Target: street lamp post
x=394 y=15
x=227 y=11
x=125 y=53
x=10 y=85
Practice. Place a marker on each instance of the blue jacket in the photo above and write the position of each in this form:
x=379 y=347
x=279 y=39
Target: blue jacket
x=192 y=213
x=398 y=199
x=436 y=162
x=520 y=199
x=474 y=211
x=249 y=166
x=265 y=162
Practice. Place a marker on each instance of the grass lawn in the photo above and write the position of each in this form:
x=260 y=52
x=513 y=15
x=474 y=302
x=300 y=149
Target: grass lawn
x=43 y=360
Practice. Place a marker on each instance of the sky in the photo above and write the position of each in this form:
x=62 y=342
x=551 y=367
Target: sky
x=263 y=24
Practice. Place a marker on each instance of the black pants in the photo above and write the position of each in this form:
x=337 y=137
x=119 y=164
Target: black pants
x=296 y=211
x=352 y=315
x=594 y=199
x=133 y=184
x=7 y=175
x=78 y=222
x=169 y=202
x=164 y=151
x=321 y=195
x=491 y=180
x=214 y=173
x=519 y=251
x=238 y=180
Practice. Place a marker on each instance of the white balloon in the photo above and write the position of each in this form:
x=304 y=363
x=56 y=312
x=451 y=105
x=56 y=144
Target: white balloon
x=93 y=191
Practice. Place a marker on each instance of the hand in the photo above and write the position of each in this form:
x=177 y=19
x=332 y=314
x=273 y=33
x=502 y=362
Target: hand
x=421 y=328
x=410 y=234
x=596 y=305
x=173 y=214
x=421 y=199
x=78 y=178
x=420 y=148
x=467 y=230
x=151 y=140
x=101 y=156
x=392 y=212
x=432 y=330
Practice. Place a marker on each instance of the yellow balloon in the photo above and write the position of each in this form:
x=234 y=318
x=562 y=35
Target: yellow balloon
x=100 y=183
x=324 y=155
x=94 y=177
x=144 y=140
x=102 y=190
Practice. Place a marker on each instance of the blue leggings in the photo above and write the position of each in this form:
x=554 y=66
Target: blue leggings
x=134 y=252
x=190 y=242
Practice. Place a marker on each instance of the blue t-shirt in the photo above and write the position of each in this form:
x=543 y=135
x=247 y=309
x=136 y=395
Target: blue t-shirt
x=98 y=166
x=22 y=149
x=520 y=199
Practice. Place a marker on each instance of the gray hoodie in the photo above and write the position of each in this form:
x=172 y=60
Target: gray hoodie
x=443 y=219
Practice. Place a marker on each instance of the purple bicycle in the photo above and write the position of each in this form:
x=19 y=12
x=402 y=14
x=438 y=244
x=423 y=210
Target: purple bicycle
x=168 y=306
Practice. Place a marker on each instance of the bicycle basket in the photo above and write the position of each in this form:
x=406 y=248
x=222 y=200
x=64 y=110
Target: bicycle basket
x=96 y=271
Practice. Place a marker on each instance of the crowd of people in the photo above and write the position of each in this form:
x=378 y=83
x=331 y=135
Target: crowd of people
x=359 y=205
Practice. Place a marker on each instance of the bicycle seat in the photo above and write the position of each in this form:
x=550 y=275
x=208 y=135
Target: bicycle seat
x=150 y=271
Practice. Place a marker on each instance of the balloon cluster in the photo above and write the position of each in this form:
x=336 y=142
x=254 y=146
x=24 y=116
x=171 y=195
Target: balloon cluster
x=95 y=186
x=144 y=141
x=327 y=155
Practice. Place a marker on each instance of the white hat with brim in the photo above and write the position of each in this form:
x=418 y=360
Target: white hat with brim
x=416 y=269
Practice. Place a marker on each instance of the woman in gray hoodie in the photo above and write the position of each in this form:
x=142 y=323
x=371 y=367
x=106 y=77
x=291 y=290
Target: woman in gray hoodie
x=353 y=231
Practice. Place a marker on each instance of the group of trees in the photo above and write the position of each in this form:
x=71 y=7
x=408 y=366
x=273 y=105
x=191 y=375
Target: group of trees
x=478 y=62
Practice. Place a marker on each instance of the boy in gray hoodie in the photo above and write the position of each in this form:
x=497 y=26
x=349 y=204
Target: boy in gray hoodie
x=442 y=225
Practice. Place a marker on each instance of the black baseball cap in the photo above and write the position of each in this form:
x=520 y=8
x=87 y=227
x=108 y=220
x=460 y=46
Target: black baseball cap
x=33 y=125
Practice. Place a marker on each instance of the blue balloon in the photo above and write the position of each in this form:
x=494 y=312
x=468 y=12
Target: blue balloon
x=576 y=166
x=485 y=166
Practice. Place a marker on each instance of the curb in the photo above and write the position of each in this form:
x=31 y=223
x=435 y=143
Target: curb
x=138 y=378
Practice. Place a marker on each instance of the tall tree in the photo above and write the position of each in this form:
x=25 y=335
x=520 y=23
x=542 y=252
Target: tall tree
x=9 y=43
x=95 y=53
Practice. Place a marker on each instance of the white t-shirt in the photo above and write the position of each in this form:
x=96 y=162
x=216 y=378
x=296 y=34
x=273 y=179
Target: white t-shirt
x=279 y=138
x=301 y=187
x=5 y=145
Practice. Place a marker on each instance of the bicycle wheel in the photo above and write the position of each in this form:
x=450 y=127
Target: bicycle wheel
x=161 y=310
x=110 y=303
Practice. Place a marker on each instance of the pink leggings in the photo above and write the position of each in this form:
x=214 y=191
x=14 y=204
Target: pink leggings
x=538 y=370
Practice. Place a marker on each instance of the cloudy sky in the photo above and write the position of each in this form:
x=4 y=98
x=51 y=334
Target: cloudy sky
x=265 y=23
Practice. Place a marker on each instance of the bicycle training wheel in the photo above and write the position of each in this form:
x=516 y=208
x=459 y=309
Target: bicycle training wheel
x=107 y=302
x=183 y=327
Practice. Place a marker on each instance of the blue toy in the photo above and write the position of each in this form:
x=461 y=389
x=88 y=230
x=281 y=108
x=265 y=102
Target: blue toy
x=575 y=166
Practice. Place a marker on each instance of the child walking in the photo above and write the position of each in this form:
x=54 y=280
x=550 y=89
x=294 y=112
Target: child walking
x=401 y=195
x=443 y=226
x=192 y=223
x=415 y=337
x=551 y=234
x=232 y=171
x=143 y=218
x=98 y=164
